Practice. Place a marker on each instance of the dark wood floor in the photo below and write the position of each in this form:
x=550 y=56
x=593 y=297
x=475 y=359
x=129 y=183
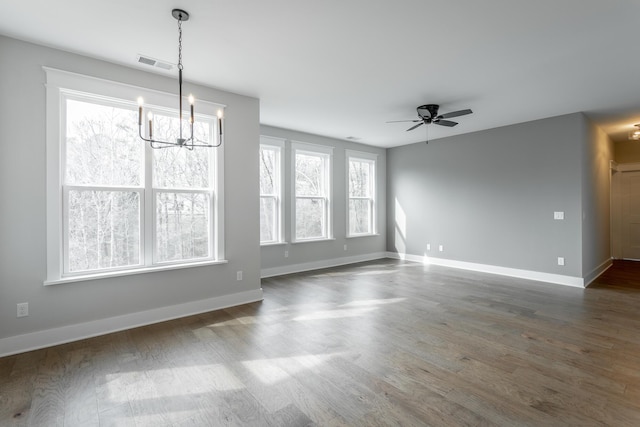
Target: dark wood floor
x=374 y=344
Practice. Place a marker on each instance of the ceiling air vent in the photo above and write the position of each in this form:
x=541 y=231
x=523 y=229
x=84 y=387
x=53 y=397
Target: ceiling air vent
x=154 y=62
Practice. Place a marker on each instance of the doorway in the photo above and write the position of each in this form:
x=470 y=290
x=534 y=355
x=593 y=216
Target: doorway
x=625 y=211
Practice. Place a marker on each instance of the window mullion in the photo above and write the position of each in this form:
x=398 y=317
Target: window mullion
x=147 y=210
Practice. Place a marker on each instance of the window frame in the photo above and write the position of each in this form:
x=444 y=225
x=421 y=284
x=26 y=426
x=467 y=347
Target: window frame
x=371 y=159
x=278 y=145
x=326 y=153
x=63 y=85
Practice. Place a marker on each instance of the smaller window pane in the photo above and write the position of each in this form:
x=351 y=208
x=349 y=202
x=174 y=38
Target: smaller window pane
x=268 y=219
x=309 y=175
x=104 y=229
x=268 y=177
x=102 y=145
x=359 y=178
x=359 y=216
x=310 y=219
x=182 y=226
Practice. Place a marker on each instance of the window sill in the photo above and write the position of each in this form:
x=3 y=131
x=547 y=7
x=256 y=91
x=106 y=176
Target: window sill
x=312 y=241
x=143 y=270
x=274 y=244
x=355 y=236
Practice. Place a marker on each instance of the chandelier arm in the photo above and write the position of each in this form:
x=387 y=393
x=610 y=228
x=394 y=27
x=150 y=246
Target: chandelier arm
x=155 y=143
x=207 y=145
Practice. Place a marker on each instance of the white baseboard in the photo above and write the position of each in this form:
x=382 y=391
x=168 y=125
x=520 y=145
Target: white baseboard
x=315 y=265
x=50 y=337
x=558 y=279
x=596 y=272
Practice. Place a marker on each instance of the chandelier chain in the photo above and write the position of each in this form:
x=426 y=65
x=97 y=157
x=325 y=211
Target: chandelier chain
x=180 y=44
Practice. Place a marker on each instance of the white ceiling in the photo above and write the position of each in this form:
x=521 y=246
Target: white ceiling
x=343 y=68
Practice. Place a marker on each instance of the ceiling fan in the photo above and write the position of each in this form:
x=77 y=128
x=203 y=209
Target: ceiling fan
x=428 y=114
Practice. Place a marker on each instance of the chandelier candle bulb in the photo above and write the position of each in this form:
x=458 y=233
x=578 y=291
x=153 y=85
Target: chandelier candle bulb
x=191 y=101
x=140 y=103
x=220 y=124
x=150 y=117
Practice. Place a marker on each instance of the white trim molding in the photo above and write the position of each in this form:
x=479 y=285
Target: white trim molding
x=597 y=272
x=557 y=279
x=326 y=154
x=372 y=160
x=277 y=145
x=65 y=334
x=626 y=167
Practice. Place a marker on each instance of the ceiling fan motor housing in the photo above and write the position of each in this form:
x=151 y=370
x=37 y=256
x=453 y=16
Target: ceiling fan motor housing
x=428 y=111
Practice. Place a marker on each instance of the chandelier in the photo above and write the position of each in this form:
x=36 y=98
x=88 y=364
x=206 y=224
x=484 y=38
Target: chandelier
x=189 y=142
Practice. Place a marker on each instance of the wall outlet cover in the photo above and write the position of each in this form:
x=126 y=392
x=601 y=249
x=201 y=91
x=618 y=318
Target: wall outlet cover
x=23 y=309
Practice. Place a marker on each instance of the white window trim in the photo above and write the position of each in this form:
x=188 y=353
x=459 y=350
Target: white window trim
x=371 y=158
x=60 y=82
x=313 y=149
x=279 y=144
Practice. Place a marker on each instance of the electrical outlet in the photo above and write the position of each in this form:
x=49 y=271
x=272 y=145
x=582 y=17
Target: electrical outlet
x=239 y=275
x=558 y=215
x=428 y=246
x=441 y=248
x=345 y=247
x=286 y=254
x=560 y=260
x=23 y=309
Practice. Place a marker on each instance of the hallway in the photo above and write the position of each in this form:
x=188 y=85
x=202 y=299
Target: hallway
x=623 y=274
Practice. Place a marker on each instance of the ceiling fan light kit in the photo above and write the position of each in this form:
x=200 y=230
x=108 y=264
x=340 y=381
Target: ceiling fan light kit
x=634 y=135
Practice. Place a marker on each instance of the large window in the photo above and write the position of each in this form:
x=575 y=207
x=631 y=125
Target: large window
x=311 y=192
x=271 y=190
x=114 y=204
x=361 y=173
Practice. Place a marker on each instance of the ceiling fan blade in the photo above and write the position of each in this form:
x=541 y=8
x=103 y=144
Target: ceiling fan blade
x=455 y=114
x=447 y=123
x=403 y=121
x=413 y=127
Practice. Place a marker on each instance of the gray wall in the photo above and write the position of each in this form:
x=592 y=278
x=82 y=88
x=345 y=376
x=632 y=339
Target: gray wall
x=596 y=188
x=22 y=203
x=488 y=197
x=310 y=252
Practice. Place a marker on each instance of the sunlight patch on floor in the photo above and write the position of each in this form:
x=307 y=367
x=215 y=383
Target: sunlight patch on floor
x=270 y=371
x=335 y=314
x=373 y=302
x=195 y=379
x=376 y=272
